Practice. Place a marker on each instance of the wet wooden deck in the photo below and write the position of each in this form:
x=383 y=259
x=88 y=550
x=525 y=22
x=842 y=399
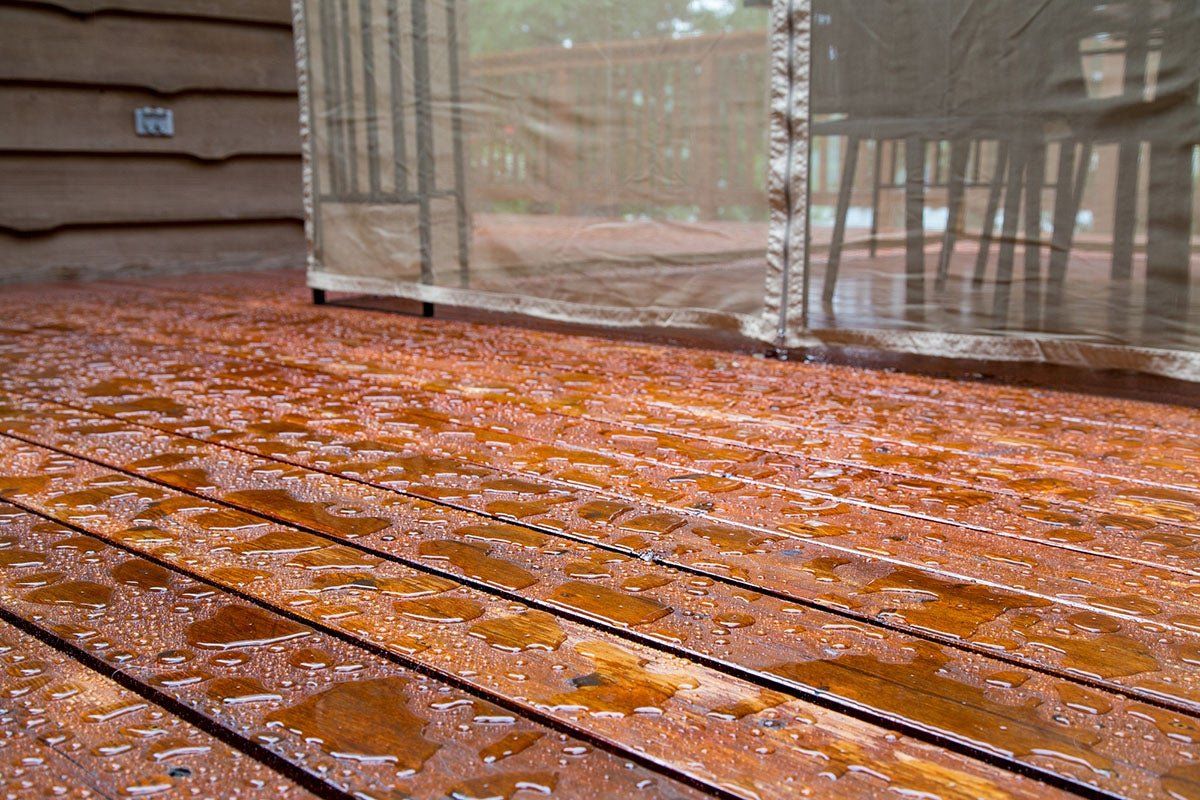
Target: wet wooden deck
x=254 y=548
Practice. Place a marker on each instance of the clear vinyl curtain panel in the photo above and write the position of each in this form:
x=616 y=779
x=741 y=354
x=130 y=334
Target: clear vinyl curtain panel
x=603 y=161
x=1007 y=178
x=998 y=179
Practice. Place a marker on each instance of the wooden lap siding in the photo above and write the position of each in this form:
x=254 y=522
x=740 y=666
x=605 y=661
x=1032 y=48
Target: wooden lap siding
x=84 y=197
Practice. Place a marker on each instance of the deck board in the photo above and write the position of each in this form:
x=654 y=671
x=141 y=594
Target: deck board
x=644 y=702
x=762 y=639
x=924 y=478
x=303 y=694
x=994 y=584
x=885 y=570
x=107 y=741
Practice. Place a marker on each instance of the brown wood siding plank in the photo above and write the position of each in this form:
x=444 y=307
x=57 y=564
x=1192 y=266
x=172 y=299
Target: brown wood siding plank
x=160 y=54
x=276 y=12
x=81 y=120
x=44 y=193
x=125 y=251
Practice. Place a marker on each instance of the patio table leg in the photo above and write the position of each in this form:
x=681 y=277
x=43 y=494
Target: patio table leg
x=914 y=225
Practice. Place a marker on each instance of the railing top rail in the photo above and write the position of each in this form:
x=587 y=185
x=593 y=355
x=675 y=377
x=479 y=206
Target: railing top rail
x=626 y=50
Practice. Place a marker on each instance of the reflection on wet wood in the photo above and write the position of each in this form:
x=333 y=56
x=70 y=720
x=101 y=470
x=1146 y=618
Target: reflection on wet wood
x=117 y=742
x=355 y=720
x=550 y=557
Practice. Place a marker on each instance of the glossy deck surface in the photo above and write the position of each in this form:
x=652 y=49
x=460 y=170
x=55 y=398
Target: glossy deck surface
x=250 y=547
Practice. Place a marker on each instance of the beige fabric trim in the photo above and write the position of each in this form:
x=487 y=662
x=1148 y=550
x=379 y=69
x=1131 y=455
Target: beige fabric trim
x=559 y=310
x=308 y=176
x=1178 y=364
x=787 y=177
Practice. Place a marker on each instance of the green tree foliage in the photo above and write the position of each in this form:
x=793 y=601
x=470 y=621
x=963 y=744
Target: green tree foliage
x=506 y=25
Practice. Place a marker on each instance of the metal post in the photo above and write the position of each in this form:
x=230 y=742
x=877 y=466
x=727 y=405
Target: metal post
x=424 y=108
x=460 y=158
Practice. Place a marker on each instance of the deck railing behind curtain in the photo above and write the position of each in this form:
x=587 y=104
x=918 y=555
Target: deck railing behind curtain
x=623 y=127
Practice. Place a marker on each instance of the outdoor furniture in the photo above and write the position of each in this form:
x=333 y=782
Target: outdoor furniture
x=1006 y=80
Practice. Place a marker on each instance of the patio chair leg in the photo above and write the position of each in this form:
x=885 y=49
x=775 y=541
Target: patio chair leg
x=1122 y=254
x=1068 y=195
x=914 y=224
x=1008 y=235
x=960 y=151
x=1035 y=179
x=845 y=191
x=877 y=180
x=989 y=217
x=1168 y=242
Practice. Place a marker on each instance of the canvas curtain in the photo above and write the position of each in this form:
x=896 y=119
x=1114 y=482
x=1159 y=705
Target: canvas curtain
x=997 y=179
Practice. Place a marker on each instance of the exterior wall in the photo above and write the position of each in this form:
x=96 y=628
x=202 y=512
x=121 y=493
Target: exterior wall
x=82 y=196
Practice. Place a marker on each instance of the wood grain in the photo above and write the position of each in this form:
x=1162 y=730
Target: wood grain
x=960 y=602
x=48 y=192
x=353 y=720
x=80 y=120
x=767 y=639
x=277 y=12
x=580 y=533
x=115 y=741
x=166 y=55
x=639 y=702
x=133 y=251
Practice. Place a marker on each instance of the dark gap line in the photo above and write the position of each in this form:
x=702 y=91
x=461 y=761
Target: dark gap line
x=86 y=776
x=45 y=154
x=58 y=83
x=1131 y=693
x=246 y=747
x=212 y=159
x=531 y=713
x=69 y=227
x=77 y=771
x=762 y=680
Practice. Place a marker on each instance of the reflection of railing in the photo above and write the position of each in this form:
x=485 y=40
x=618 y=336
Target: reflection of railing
x=667 y=123
x=622 y=127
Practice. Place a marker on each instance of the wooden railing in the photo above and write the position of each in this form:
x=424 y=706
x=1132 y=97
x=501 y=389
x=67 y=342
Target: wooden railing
x=658 y=125
x=625 y=127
